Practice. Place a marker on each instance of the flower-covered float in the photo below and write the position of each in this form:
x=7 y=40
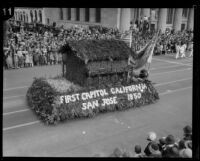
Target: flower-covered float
x=95 y=80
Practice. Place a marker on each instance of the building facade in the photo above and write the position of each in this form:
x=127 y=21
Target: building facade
x=160 y=18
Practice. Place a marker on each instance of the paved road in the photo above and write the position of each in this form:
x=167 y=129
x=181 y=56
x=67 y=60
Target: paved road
x=25 y=135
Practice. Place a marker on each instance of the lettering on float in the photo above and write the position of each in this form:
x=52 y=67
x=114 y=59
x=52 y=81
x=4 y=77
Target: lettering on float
x=103 y=97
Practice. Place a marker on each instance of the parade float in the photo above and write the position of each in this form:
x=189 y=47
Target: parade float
x=95 y=80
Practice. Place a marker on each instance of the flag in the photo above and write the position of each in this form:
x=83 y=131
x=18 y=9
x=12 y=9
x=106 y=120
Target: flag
x=139 y=59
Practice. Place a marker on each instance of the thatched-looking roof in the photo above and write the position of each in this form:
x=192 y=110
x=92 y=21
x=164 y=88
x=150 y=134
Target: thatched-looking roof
x=97 y=50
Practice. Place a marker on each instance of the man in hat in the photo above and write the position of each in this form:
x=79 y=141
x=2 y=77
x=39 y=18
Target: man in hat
x=154 y=150
x=162 y=144
x=170 y=143
x=151 y=137
x=187 y=133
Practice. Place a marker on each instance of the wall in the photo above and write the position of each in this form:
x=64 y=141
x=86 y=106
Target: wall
x=109 y=17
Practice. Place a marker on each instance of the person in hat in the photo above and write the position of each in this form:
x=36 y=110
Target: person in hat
x=187 y=130
x=170 y=143
x=154 y=150
x=138 y=152
x=151 y=137
x=181 y=146
x=162 y=144
x=143 y=74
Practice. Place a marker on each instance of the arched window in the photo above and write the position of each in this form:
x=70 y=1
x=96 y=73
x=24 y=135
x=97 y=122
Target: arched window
x=31 y=14
x=40 y=15
x=36 y=16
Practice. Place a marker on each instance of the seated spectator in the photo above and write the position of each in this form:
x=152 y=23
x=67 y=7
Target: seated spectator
x=138 y=152
x=188 y=144
x=181 y=146
x=151 y=137
x=170 y=143
x=187 y=153
x=162 y=144
x=154 y=150
x=187 y=132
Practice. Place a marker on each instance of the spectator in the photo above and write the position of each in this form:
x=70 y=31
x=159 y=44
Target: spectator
x=138 y=152
x=190 y=49
x=154 y=150
x=177 y=50
x=183 y=49
x=162 y=144
x=170 y=143
x=181 y=147
x=187 y=133
x=151 y=137
x=187 y=153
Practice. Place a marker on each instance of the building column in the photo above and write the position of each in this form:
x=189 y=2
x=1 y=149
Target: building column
x=43 y=16
x=190 y=22
x=162 y=17
x=177 y=19
x=118 y=17
x=125 y=19
x=93 y=15
x=145 y=12
x=82 y=14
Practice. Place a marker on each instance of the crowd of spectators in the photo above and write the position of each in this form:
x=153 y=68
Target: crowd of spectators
x=163 y=147
x=177 y=43
x=28 y=47
x=31 y=47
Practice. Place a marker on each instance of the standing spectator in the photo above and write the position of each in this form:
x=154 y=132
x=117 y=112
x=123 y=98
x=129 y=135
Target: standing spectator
x=183 y=49
x=31 y=59
x=187 y=153
x=190 y=49
x=16 y=60
x=51 y=58
x=177 y=50
x=27 y=59
x=20 y=57
x=35 y=59
x=9 y=60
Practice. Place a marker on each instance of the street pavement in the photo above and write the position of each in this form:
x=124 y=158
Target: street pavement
x=25 y=135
